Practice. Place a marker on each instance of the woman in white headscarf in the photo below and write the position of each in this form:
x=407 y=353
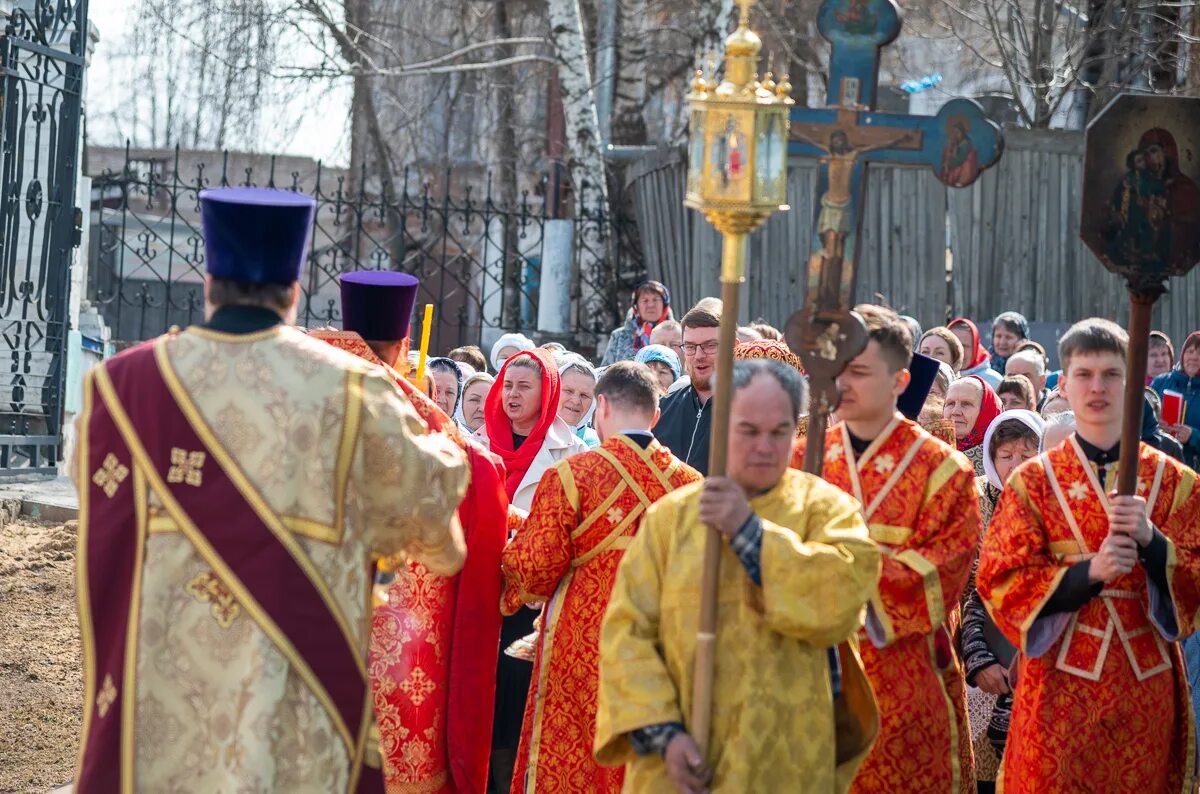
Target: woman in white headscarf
x=508 y=346
x=577 y=402
x=1011 y=439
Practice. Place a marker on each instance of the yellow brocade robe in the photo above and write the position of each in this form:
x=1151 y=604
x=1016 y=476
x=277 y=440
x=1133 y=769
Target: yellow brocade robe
x=341 y=458
x=773 y=716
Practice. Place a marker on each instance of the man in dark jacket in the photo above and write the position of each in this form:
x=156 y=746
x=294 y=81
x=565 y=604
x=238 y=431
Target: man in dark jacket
x=685 y=422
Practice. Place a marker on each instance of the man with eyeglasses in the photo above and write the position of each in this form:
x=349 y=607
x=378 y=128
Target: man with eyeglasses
x=685 y=423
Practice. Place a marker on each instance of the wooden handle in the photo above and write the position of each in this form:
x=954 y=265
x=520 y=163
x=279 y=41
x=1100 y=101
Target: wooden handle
x=1141 y=308
x=705 y=665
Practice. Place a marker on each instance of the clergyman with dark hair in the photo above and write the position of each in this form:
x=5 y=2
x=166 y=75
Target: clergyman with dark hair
x=918 y=496
x=585 y=513
x=797 y=570
x=1096 y=590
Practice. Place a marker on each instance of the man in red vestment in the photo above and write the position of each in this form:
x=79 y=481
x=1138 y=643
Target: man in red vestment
x=585 y=512
x=921 y=506
x=1096 y=590
x=235 y=481
x=435 y=639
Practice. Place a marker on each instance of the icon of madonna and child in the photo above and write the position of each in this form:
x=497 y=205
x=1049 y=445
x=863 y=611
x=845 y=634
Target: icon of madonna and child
x=1154 y=211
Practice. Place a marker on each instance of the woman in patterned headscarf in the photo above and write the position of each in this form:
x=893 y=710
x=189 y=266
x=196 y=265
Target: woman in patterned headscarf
x=971 y=405
x=651 y=306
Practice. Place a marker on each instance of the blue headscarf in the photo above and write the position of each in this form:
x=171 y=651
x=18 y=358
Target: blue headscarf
x=660 y=353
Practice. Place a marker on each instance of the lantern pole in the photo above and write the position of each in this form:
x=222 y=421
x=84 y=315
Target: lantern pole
x=735 y=126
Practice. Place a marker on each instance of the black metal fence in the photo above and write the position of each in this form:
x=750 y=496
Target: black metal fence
x=479 y=259
x=42 y=51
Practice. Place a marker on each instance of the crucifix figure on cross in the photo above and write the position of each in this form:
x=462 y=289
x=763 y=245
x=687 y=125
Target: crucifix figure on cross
x=846 y=136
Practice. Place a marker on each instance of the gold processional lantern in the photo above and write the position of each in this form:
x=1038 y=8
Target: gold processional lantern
x=737 y=177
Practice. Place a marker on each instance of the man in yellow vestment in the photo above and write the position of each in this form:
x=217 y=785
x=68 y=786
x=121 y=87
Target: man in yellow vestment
x=235 y=480
x=794 y=580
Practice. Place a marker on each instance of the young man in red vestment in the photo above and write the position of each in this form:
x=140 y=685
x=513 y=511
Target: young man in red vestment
x=435 y=639
x=919 y=500
x=235 y=480
x=585 y=512
x=1096 y=589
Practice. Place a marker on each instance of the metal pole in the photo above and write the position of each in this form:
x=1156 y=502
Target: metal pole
x=733 y=269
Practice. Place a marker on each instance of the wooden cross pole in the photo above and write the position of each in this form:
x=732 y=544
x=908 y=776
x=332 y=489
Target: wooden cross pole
x=1141 y=218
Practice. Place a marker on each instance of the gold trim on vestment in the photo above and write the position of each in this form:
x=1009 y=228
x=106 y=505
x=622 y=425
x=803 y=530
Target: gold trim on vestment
x=82 y=594
x=625 y=475
x=873 y=447
x=255 y=500
x=951 y=714
x=931 y=583
x=598 y=513
x=941 y=475
x=216 y=562
x=129 y=676
x=613 y=540
x=345 y=454
x=551 y=611
x=306 y=527
x=222 y=336
x=647 y=456
x=429 y=786
x=890 y=534
x=567 y=478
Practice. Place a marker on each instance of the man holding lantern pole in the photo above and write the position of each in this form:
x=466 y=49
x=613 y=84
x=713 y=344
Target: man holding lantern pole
x=797 y=570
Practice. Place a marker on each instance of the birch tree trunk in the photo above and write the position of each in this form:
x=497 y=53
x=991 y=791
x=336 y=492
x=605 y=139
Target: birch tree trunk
x=596 y=290
x=628 y=120
x=713 y=20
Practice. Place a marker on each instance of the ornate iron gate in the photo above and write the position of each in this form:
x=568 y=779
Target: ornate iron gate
x=42 y=55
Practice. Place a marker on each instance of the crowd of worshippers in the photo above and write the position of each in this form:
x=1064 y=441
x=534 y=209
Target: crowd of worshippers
x=960 y=602
x=998 y=404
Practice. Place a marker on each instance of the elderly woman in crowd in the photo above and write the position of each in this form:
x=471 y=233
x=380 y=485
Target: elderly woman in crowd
x=942 y=344
x=971 y=405
x=508 y=346
x=1184 y=379
x=663 y=362
x=1012 y=438
x=447 y=380
x=651 y=306
x=578 y=401
x=1009 y=330
x=1161 y=356
x=471 y=355
x=976 y=359
x=474 y=396
x=1016 y=392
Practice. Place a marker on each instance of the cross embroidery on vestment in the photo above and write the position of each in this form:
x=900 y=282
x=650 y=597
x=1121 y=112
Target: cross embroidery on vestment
x=834 y=452
x=208 y=587
x=884 y=464
x=615 y=515
x=185 y=467
x=1078 y=490
x=418 y=686
x=110 y=475
x=106 y=696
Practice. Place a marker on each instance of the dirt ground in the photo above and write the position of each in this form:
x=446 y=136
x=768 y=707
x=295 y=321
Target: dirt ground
x=41 y=684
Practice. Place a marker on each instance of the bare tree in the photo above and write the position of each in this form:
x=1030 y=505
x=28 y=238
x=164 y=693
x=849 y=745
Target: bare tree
x=1048 y=51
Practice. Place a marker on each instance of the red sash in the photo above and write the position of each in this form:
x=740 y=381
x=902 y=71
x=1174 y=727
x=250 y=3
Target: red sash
x=211 y=501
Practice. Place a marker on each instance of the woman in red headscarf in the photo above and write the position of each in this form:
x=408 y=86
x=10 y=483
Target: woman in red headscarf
x=976 y=360
x=521 y=426
x=971 y=405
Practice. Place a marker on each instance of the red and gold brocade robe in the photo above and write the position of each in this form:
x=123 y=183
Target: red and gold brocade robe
x=435 y=641
x=1102 y=701
x=921 y=507
x=586 y=511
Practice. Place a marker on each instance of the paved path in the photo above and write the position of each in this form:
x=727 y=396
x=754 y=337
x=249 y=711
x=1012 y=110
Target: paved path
x=49 y=500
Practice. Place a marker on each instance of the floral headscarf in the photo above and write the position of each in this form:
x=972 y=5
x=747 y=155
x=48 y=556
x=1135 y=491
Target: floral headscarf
x=989 y=408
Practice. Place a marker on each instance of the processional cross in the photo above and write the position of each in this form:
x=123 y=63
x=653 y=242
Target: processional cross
x=845 y=136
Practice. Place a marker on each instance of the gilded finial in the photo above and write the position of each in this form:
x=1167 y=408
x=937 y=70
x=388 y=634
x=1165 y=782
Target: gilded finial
x=744 y=17
x=769 y=82
x=699 y=84
x=784 y=89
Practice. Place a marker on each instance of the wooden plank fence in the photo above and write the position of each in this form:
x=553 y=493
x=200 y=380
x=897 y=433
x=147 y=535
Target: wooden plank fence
x=1010 y=241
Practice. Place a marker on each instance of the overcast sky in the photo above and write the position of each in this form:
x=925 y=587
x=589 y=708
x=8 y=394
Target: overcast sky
x=319 y=133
